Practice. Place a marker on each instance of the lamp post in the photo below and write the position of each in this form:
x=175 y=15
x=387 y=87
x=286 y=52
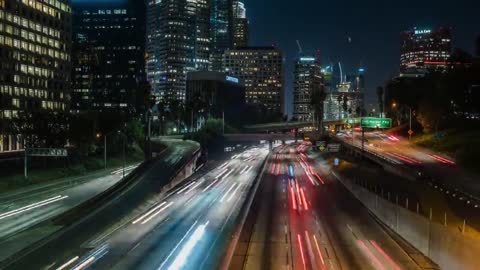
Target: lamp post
x=105 y=148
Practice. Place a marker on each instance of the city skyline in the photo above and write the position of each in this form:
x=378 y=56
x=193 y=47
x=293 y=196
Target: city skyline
x=358 y=34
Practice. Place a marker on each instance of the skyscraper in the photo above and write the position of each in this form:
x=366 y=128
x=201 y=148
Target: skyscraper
x=35 y=61
x=307 y=79
x=178 y=41
x=261 y=68
x=221 y=20
x=240 y=25
x=108 y=55
x=424 y=50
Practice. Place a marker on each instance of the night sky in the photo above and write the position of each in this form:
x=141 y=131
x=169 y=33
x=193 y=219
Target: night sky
x=373 y=26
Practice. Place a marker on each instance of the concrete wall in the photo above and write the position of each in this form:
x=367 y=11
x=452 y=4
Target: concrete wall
x=450 y=249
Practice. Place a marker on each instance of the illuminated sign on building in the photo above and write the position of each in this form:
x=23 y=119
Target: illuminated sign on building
x=307 y=59
x=420 y=32
x=232 y=79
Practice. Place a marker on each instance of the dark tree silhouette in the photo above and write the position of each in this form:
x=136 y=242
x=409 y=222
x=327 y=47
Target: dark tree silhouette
x=380 y=93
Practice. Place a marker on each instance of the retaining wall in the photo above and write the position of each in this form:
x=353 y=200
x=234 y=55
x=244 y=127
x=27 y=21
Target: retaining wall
x=450 y=249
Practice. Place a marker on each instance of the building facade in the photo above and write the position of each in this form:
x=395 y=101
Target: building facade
x=424 y=50
x=240 y=25
x=346 y=100
x=261 y=68
x=178 y=42
x=307 y=79
x=216 y=95
x=35 y=65
x=108 y=55
x=221 y=21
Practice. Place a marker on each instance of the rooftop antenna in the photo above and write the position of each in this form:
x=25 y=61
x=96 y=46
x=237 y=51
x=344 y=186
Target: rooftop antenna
x=300 y=51
x=341 y=72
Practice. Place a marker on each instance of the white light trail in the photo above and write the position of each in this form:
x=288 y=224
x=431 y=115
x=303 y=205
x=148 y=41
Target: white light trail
x=32 y=206
x=65 y=265
x=211 y=184
x=156 y=213
x=182 y=256
x=179 y=243
x=148 y=213
x=186 y=187
x=233 y=194
x=228 y=191
x=192 y=188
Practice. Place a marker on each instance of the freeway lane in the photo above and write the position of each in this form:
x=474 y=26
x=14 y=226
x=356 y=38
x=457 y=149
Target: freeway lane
x=146 y=187
x=25 y=211
x=435 y=167
x=310 y=221
x=198 y=215
x=192 y=233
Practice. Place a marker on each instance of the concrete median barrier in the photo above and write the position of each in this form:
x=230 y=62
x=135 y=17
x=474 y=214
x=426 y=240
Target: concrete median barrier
x=450 y=249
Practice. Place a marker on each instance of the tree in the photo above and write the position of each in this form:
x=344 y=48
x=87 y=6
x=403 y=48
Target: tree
x=380 y=93
x=317 y=99
x=135 y=133
x=477 y=46
x=345 y=103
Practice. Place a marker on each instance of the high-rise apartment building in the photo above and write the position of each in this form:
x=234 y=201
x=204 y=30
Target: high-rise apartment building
x=222 y=23
x=35 y=44
x=108 y=55
x=307 y=79
x=240 y=25
x=261 y=68
x=423 y=50
x=178 y=42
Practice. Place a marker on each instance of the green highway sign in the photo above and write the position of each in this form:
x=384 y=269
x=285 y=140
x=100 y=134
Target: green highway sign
x=46 y=152
x=372 y=122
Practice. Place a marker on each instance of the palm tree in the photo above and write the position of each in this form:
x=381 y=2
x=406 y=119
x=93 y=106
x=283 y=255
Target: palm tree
x=345 y=103
x=316 y=103
x=380 y=93
x=339 y=99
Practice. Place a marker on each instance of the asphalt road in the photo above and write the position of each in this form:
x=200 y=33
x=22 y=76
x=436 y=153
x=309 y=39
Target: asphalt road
x=22 y=211
x=192 y=233
x=309 y=221
x=53 y=253
x=401 y=152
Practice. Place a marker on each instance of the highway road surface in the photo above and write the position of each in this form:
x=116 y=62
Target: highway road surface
x=24 y=210
x=302 y=218
x=187 y=228
x=435 y=167
x=75 y=234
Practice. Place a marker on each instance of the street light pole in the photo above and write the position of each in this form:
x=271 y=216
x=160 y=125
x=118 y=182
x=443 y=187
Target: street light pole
x=410 y=129
x=124 y=139
x=105 y=151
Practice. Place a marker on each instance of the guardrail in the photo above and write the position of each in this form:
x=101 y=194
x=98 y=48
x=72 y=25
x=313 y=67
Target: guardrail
x=450 y=249
x=387 y=163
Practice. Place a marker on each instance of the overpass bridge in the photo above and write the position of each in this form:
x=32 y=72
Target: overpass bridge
x=286 y=126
